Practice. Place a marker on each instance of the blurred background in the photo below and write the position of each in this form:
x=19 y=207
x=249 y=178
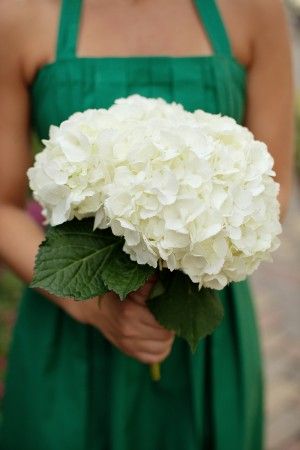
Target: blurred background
x=277 y=292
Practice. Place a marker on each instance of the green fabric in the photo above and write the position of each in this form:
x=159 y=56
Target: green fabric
x=68 y=387
x=214 y=26
x=68 y=30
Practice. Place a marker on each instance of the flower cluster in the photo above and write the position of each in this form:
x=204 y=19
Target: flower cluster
x=192 y=191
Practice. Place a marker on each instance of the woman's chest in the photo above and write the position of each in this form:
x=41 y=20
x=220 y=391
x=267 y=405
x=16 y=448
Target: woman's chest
x=215 y=84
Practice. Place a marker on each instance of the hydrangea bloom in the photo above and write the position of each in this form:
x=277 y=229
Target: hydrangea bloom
x=190 y=191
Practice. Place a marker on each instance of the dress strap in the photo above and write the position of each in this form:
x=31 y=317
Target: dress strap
x=213 y=23
x=68 y=29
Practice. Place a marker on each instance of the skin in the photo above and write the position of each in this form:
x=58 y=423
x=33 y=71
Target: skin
x=259 y=39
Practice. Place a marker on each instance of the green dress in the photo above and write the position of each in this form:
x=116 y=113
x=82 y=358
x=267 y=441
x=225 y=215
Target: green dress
x=67 y=387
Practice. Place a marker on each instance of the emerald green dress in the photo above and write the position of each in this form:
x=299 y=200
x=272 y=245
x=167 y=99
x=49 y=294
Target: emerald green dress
x=68 y=388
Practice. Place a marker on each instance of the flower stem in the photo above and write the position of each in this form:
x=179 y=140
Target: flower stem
x=155 y=371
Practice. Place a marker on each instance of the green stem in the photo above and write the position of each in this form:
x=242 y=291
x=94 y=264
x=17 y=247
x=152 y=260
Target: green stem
x=155 y=371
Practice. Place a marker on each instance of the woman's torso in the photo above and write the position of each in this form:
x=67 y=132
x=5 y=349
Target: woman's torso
x=106 y=410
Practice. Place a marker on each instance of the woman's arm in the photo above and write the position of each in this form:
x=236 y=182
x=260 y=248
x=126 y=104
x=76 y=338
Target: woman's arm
x=19 y=235
x=270 y=110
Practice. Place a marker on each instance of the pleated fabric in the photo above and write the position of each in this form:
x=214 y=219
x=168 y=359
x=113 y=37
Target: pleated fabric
x=67 y=386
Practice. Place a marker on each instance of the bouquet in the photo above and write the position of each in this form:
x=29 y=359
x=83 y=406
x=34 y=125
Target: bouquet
x=146 y=187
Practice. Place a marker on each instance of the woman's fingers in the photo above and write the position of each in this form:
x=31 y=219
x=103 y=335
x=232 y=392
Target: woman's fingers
x=140 y=313
x=141 y=295
x=142 y=332
x=131 y=327
x=147 y=350
x=149 y=346
x=151 y=358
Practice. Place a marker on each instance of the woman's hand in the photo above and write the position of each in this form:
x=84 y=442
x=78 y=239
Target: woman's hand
x=127 y=324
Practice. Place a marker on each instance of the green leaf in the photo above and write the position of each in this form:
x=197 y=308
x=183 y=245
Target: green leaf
x=191 y=313
x=122 y=275
x=75 y=261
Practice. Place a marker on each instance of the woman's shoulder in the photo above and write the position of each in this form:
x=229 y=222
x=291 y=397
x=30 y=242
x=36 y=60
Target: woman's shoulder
x=27 y=32
x=265 y=7
x=270 y=35
x=21 y=13
x=251 y=23
x=266 y=13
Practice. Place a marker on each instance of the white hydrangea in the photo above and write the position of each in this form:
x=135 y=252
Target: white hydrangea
x=190 y=191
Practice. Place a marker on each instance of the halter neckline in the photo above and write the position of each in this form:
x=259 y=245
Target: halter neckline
x=70 y=19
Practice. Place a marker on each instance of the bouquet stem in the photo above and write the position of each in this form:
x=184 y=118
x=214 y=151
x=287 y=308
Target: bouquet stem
x=155 y=371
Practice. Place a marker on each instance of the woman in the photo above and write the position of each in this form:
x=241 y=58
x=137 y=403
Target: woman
x=77 y=377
